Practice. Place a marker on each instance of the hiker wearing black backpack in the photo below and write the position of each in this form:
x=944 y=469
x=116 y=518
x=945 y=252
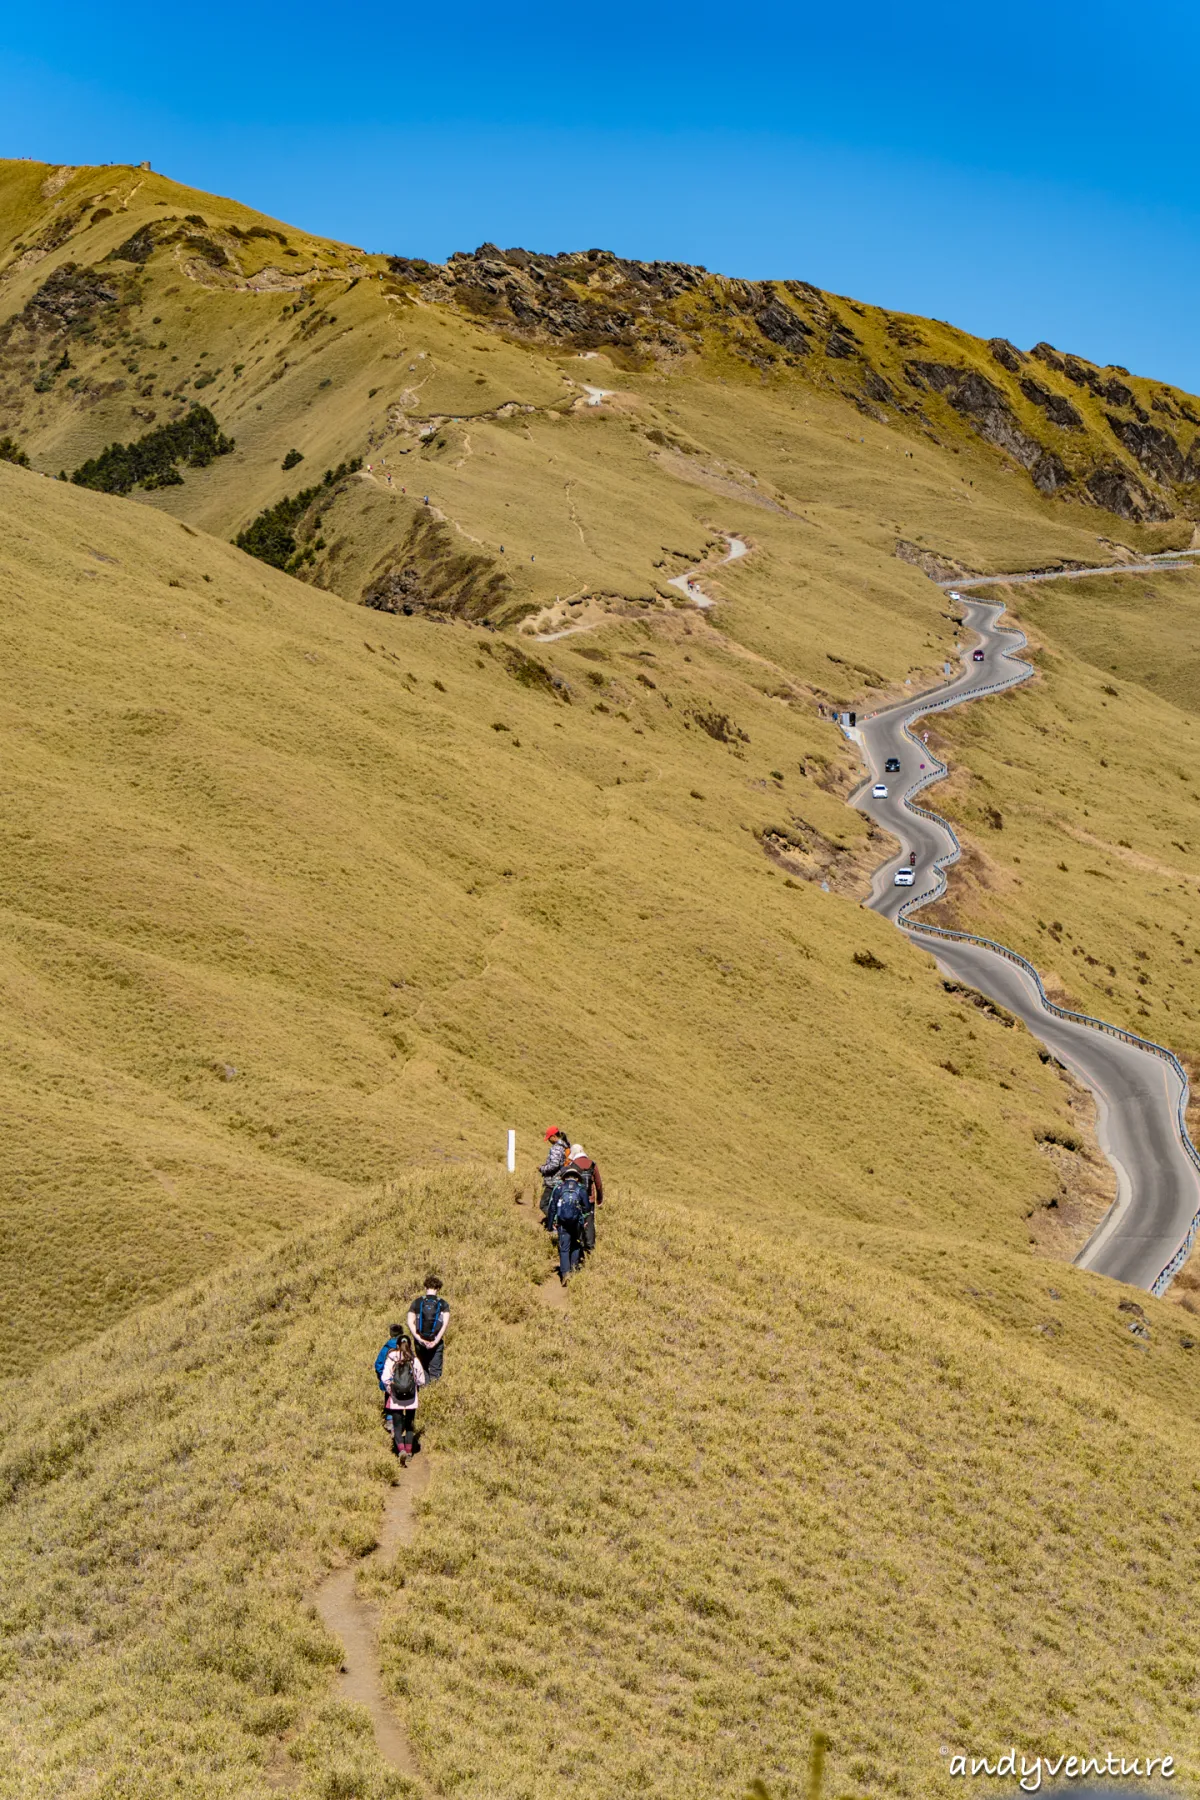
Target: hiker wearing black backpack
x=403 y=1379
x=556 y=1156
x=577 y=1192
x=428 y=1317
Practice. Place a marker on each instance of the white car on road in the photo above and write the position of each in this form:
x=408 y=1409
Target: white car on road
x=904 y=878
x=879 y=791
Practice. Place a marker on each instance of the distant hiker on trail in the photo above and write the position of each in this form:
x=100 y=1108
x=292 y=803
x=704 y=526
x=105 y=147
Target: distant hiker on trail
x=556 y=1156
x=403 y=1379
x=577 y=1192
x=395 y=1333
x=428 y=1317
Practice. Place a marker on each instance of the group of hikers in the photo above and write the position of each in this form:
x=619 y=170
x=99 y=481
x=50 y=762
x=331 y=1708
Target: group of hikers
x=571 y=1192
x=414 y=1353
x=410 y=1358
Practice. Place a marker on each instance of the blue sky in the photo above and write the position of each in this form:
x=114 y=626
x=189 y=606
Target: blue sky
x=1029 y=172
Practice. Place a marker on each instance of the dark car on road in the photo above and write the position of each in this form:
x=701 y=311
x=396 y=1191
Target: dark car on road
x=978 y=654
x=892 y=766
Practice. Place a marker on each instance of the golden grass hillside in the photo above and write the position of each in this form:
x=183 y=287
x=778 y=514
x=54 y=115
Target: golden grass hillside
x=745 y=1487
x=294 y=893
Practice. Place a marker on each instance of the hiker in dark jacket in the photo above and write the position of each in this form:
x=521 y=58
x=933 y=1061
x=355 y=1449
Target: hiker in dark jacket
x=556 y=1156
x=428 y=1317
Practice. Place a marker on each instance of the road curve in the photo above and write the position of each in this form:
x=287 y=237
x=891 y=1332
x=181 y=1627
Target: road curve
x=1140 y=1088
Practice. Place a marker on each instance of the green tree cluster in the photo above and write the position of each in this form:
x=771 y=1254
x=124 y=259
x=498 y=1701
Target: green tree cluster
x=152 y=460
x=272 y=536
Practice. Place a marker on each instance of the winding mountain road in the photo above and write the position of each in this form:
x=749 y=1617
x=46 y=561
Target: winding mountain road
x=1140 y=1089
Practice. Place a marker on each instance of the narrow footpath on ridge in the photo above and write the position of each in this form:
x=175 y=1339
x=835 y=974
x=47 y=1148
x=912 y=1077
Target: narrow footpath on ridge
x=1139 y=1087
x=351 y=1620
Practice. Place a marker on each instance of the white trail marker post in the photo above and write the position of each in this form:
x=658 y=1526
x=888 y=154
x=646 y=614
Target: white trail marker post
x=512 y=1152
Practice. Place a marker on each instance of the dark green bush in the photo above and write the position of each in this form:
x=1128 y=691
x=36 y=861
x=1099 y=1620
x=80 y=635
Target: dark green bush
x=292 y=458
x=151 y=460
x=11 y=451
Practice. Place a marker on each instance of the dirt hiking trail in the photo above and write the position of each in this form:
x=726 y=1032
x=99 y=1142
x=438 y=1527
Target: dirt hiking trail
x=352 y=1621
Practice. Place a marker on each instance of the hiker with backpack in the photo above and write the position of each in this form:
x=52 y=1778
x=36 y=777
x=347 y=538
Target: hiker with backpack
x=428 y=1317
x=578 y=1158
x=556 y=1156
x=403 y=1378
x=577 y=1192
x=395 y=1333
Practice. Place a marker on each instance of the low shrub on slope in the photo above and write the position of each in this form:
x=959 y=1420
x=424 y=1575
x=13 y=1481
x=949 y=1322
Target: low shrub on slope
x=738 y=1490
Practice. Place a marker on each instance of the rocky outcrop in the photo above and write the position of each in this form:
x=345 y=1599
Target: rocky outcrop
x=982 y=404
x=932 y=562
x=429 y=573
x=784 y=327
x=876 y=388
x=1101 y=382
x=1119 y=491
x=1057 y=407
x=902 y=333
x=68 y=297
x=590 y=299
x=1154 y=447
x=1105 y=387
x=1007 y=355
x=1049 y=474
x=841 y=342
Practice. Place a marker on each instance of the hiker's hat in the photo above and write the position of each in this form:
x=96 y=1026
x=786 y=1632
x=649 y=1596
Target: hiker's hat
x=552 y=1133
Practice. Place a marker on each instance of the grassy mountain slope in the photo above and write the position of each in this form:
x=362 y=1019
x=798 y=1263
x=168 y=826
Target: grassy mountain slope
x=128 y=299
x=294 y=892
x=298 y=893
x=657 y=1551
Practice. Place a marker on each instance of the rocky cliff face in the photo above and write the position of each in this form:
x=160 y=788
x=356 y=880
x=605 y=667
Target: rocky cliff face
x=1081 y=433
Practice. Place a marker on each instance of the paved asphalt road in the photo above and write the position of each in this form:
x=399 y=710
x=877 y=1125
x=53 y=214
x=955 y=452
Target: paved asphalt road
x=1137 y=1093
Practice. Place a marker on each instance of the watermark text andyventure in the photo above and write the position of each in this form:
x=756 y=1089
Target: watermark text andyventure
x=1032 y=1771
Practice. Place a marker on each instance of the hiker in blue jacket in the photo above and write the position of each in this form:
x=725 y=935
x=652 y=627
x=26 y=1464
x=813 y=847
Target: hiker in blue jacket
x=395 y=1333
x=428 y=1317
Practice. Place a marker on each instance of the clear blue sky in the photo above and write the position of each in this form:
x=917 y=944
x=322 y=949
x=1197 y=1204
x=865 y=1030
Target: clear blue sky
x=1027 y=170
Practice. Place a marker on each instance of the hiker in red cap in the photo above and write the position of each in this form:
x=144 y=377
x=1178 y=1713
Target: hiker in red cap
x=559 y=1142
